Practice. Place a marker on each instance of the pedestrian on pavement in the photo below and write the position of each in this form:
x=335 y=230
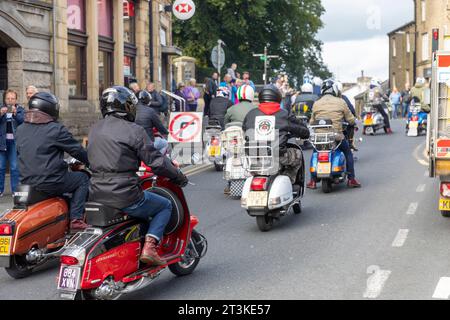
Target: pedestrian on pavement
x=11 y=117
x=134 y=86
x=247 y=81
x=31 y=91
x=232 y=71
x=192 y=95
x=396 y=99
x=179 y=92
x=41 y=144
x=157 y=100
x=406 y=100
x=211 y=85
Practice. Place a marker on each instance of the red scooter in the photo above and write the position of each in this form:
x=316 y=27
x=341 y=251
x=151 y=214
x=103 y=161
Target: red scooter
x=102 y=263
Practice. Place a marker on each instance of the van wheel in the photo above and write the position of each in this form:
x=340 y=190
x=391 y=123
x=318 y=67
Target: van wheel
x=445 y=214
x=265 y=223
x=19 y=268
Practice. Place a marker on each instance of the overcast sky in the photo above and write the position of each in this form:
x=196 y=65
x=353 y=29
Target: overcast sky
x=355 y=35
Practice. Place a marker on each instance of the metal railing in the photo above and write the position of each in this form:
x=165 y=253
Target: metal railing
x=177 y=98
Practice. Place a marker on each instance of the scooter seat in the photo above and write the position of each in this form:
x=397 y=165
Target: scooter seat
x=26 y=196
x=99 y=215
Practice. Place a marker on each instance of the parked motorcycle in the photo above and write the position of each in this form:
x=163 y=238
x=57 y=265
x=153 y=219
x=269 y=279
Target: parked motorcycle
x=233 y=145
x=417 y=121
x=328 y=163
x=35 y=230
x=373 y=120
x=214 y=148
x=269 y=195
x=102 y=262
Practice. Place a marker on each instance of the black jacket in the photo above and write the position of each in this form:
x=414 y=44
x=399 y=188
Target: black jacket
x=157 y=101
x=218 y=109
x=286 y=122
x=41 y=143
x=116 y=149
x=148 y=118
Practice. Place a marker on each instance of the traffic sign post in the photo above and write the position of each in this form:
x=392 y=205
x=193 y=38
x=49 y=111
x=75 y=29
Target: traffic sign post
x=266 y=58
x=218 y=56
x=183 y=9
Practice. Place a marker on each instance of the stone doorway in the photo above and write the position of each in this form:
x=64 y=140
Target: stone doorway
x=3 y=72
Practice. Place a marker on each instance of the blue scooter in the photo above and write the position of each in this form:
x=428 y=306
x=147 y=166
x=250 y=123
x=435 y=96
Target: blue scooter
x=417 y=121
x=328 y=163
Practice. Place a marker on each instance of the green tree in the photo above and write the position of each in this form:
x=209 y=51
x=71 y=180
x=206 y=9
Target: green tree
x=288 y=27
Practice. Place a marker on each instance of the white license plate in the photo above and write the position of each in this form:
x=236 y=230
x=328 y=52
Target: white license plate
x=413 y=125
x=324 y=168
x=258 y=199
x=69 y=278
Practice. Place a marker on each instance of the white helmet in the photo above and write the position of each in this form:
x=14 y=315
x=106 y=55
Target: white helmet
x=317 y=81
x=246 y=92
x=421 y=80
x=375 y=82
x=339 y=86
x=307 y=88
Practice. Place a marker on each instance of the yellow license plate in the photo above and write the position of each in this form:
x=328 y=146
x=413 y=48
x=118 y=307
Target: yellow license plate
x=214 y=151
x=368 y=122
x=444 y=205
x=258 y=199
x=413 y=125
x=5 y=246
x=324 y=168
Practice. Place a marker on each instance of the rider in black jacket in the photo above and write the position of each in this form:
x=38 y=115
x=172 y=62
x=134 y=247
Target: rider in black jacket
x=41 y=144
x=117 y=146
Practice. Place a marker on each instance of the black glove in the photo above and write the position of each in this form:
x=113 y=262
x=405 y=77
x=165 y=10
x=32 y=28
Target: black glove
x=181 y=180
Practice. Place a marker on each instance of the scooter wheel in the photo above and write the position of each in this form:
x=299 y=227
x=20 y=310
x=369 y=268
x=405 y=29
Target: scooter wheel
x=265 y=223
x=327 y=186
x=19 y=268
x=218 y=167
x=188 y=264
x=445 y=214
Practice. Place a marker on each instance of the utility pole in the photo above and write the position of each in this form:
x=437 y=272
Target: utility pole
x=265 y=57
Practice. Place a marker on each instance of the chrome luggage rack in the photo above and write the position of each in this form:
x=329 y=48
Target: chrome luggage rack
x=323 y=140
x=259 y=160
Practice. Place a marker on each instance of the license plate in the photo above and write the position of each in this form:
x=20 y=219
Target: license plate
x=5 y=246
x=413 y=125
x=444 y=205
x=214 y=151
x=324 y=168
x=69 y=279
x=258 y=199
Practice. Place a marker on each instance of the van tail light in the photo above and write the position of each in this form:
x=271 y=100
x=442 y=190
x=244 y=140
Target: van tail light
x=259 y=184
x=324 y=157
x=445 y=189
x=69 y=261
x=6 y=229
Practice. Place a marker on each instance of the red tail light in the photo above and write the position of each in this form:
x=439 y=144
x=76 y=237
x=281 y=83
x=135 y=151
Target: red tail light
x=259 y=184
x=215 y=142
x=445 y=189
x=6 y=229
x=324 y=157
x=414 y=118
x=234 y=142
x=68 y=260
x=369 y=116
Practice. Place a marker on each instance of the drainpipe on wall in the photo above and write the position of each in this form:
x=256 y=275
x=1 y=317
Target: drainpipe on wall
x=54 y=48
x=150 y=13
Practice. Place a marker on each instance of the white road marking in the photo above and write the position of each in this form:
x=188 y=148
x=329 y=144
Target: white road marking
x=421 y=188
x=376 y=282
x=426 y=174
x=443 y=289
x=400 y=239
x=412 y=208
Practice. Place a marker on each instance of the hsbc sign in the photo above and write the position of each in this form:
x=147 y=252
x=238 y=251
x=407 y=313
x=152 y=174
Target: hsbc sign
x=183 y=9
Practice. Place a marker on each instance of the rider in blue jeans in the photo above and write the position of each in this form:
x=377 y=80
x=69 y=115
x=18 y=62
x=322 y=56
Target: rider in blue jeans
x=11 y=116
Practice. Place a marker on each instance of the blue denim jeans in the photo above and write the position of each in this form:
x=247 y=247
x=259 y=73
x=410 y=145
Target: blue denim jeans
x=75 y=183
x=345 y=148
x=161 y=145
x=155 y=208
x=395 y=108
x=405 y=109
x=10 y=155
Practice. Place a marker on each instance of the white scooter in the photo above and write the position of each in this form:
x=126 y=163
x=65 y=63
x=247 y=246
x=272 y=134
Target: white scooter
x=214 y=149
x=233 y=144
x=373 y=120
x=269 y=195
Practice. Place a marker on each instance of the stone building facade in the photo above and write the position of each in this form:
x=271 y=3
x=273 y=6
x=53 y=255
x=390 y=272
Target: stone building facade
x=77 y=48
x=402 y=56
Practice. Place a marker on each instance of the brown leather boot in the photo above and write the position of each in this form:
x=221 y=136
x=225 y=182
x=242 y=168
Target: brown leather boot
x=149 y=254
x=78 y=225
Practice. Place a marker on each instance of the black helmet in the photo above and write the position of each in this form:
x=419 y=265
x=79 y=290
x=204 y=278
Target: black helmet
x=45 y=102
x=330 y=87
x=119 y=100
x=270 y=93
x=144 y=97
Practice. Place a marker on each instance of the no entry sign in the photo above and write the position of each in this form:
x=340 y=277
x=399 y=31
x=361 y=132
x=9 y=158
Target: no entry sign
x=185 y=127
x=183 y=9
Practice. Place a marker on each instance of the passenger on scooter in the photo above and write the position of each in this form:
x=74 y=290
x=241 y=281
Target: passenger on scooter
x=41 y=144
x=286 y=124
x=378 y=98
x=418 y=94
x=238 y=112
x=148 y=118
x=331 y=107
x=117 y=146
x=220 y=105
x=304 y=102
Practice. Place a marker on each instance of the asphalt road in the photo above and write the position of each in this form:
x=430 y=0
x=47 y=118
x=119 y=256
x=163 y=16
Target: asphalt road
x=384 y=241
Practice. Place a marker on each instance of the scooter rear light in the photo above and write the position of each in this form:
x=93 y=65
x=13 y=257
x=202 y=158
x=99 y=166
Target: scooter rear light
x=259 y=184
x=69 y=261
x=414 y=118
x=215 y=142
x=445 y=190
x=324 y=157
x=6 y=229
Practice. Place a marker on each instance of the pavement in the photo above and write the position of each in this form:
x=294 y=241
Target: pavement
x=386 y=240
